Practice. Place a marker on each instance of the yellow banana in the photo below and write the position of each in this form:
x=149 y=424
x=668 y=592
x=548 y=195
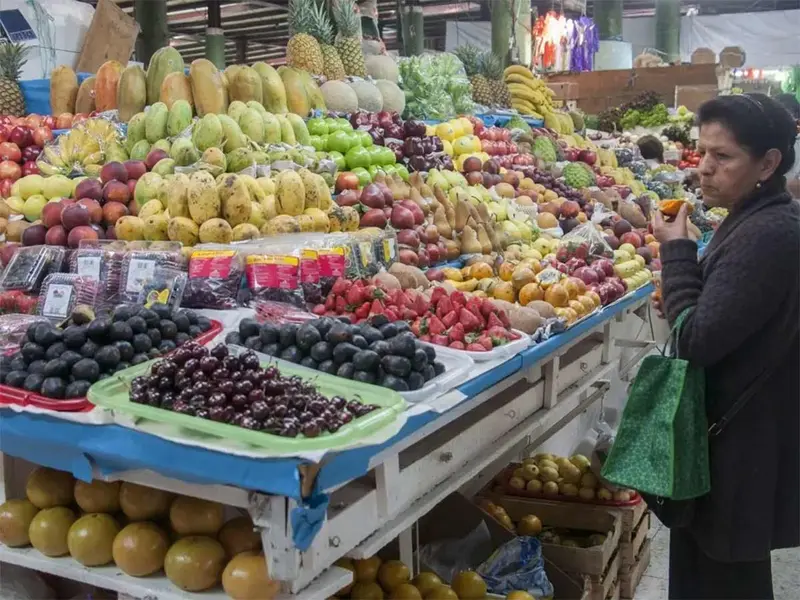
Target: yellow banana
x=45 y=168
x=516 y=78
x=521 y=91
x=95 y=158
x=519 y=70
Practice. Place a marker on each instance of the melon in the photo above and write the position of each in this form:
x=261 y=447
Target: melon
x=339 y=97
x=382 y=67
x=393 y=97
x=369 y=96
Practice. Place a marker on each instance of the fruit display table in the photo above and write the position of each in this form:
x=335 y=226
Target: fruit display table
x=348 y=503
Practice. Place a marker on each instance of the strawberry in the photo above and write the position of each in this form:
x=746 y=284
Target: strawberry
x=391 y=313
x=424 y=338
x=458 y=299
x=340 y=286
x=416 y=329
x=374 y=292
x=457 y=333
x=512 y=335
x=319 y=309
x=395 y=297
x=501 y=314
x=355 y=296
x=445 y=306
x=330 y=302
x=450 y=319
x=439 y=293
x=468 y=320
x=408 y=314
x=341 y=305
x=487 y=308
x=486 y=342
x=457 y=345
x=440 y=340
x=376 y=308
x=475 y=347
x=421 y=305
x=493 y=321
x=435 y=326
x=362 y=312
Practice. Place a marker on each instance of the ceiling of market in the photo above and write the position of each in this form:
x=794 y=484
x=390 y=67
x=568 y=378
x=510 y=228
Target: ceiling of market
x=260 y=25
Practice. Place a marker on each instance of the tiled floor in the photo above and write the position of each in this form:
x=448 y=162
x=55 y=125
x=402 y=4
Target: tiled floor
x=785 y=570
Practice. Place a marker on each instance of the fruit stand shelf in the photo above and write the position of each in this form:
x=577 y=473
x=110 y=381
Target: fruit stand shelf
x=373 y=494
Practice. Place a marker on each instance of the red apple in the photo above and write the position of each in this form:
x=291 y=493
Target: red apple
x=346 y=181
x=10 y=170
x=116 y=191
x=113 y=171
x=30 y=168
x=10 y=151
x=64 y=121
x=51 y=214
x=56 y=236
x=42 y=135
x=153 y=157
x=89 y=188
x=94 y=208
x=135 y=168
x=80 y=233
x=21 y=136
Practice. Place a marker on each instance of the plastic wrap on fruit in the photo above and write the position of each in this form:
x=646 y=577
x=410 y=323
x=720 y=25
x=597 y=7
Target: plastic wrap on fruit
x=269 y=311
x=548 y=329
x=517 y=565
x=584 y=244
x=13 y=328
x=449 y=557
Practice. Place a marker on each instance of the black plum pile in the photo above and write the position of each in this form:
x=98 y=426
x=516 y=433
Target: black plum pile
x=237 y=390
x=552 y=183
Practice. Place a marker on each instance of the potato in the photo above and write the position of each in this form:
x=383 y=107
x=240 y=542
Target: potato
x=130 y=228
x=183 y=230
x=545 y=309
x=216 y=230
x=245 y=231
x=408 y=276
x=525 y=319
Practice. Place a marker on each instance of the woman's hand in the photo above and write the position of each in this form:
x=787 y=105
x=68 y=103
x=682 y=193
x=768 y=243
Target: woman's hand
x=658 y=304
x=677 y=229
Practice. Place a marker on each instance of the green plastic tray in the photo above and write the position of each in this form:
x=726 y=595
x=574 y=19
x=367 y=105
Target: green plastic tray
x=114 y=393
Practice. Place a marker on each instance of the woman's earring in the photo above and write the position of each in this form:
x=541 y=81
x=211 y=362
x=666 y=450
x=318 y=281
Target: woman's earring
x=758 y=185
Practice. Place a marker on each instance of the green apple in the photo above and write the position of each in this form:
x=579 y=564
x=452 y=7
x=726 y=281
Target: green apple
x=344 y=124
x=357 y=157
x=332 y=124
x=317 y=126
x=338 y=158
x=375 y=155
x=402 y=171
x=355 y=139
x=389 y=169
x=364 y=178
x=318 y=142
x=373 y=171
x=365 y=138
x=339 y=141
x=33 y=207
x=387 y=156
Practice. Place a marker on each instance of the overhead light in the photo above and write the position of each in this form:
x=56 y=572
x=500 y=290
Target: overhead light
x=691 y=11
x=450 y=9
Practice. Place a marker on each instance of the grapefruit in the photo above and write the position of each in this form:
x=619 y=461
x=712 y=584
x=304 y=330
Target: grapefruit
x=529 y=525
x=366 y=590
x=519 y=595
x=468 y=585
x=15 y=519
x=405 y=591
x=195 y=563
x=441 y=592
x=139 y=549
x=367 y=568
x=47 y=487
x=239 y=535
x=193 y=516
x=246 y=578
x=90 y=539
x=49 y=529
x=142 y=503
x=393 y=573
x=425 y=581
x=97 y=496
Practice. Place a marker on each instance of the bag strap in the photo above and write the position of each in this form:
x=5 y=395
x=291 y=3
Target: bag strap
x=675 y=333
x=720 y=425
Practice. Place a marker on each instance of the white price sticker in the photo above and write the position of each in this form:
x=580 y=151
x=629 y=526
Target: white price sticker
x=140 y=271
x=56 y=302
x=89 y=266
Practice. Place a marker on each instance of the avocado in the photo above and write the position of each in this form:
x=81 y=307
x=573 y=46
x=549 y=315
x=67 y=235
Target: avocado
x=30 y=333
x=125 y=349
x=254 y=343
x=327 y=366
x=428 y=372
x=108 y=357
x=153 y=353
x=388 y=331
x=89 y=348
x=345 y=320
x=182 y=323
x=37 y=366
x=141 y=342
x=381 y=347
x=18 y=362
x=121 y=366
x=359 y=341
x=344 y=352
x=155 y=336
x=371 y=334
x=47 y=335
x=346 y=370
x=321 y=351
x=57 y=367
x=139 y=359
x=292 y=354
x=33 y=382
x=162 y=310
x=438 y=367
x=98 y=330
x=120 y=331
x=77 y=389
x=150 y=317
x=191 y=315
x=55 y=350
x=420 y=359
x=32 y=351
x=137 y=324
x=339 y=334
x=54 y=387
x=268 y=333
x=234 y=338
x=71 y=357
x=167 y=346
x=272 y=349
x=287 y=336
x=402 y=327
x=16 y=379
x=86 y=368
x=394 y=383
x=307 y=336
x=430 y=351
x=365 y=377
x=195 y=331
x=366 y=360
x=204 y=323
x=124 y=312
x=309 y=362
x=415 y=380
x=182 y=338
x=168 y=329
x=378 y=320
x=403 y=345
x=248 y=327
x=396 y=365
x=324 y=325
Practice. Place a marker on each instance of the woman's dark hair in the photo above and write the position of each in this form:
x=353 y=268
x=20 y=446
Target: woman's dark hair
x=758 y=122
x=651 y=148
x=790 y=103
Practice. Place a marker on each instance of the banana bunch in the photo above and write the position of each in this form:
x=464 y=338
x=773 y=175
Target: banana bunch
x=85 y=148
x=529 y=95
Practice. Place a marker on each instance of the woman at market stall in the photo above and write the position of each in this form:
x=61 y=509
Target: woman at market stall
x=744 y=296
x=652 y=150
x=791 y=104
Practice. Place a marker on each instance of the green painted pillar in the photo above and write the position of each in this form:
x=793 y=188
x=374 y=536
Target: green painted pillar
x=522 y=34
x=154 y=34
x=668 y=29
x=413 y=30
x=608 y=18
x=215 y=36
x=503 y=27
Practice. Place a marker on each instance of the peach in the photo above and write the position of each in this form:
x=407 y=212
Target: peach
x=156 y=155
x=51 y=214
x=132 y=186
x=632 y=238
x=56 y=236
x=82 y=232
x=135 y=168
x=75 y=215
x=113 y=171
x=89 y=188
x=113 y=211
x=116 y=191
x=94 y=208
x=110 y=233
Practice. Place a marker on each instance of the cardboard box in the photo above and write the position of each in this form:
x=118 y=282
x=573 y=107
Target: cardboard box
x=111 y=36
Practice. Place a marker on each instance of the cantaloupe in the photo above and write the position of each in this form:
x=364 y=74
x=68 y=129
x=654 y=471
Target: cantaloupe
x=393 y=97
x=369 y=96
x=339 y=97
x=382 y=67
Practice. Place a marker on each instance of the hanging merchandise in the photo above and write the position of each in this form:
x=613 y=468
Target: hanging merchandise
x=564 y=44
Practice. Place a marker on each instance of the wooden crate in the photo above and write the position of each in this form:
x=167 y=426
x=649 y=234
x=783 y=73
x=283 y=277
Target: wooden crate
x=630 y=518
x=605 y=586
x=630 y=550
x=629 y=584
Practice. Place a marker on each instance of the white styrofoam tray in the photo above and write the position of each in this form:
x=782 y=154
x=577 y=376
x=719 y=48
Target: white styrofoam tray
x=503 y=352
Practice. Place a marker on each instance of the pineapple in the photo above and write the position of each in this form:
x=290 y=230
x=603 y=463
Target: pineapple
x=303 y=51
x=471 y=58
x=12 y=59
x=322 y=30
x=492 y=69
x=348 y=40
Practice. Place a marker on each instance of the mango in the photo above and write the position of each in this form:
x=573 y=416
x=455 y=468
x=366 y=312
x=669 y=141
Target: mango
x=155 y=124
x=256 y=106
x=165 y=61
x=272 y=88
x=252 y=125
x=136 y=130
x=232 y=134
x=156 y=227
x=140 y=150
x=239 y=160
x=216 y=231
x=245 y=231
x=290 y=194
x=202 y=199
x=235 y=200
x=272 y=128
x=166 y=166
x=129 y=228
x=131 y=92
x=208 y=89
x=299 y=129
x=148 y=188
x=180 y=117
x=236 y=109
x=215 y=161
x=287 y=131
x=184 y=230
x=183 y=152
x=207 y=132
x=176 y=86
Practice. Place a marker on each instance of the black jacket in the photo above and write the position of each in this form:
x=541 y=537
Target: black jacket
x=746 y=297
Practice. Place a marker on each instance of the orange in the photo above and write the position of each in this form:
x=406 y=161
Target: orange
x=557 y=295
x=578 y=307
x=595 y=297
x=529 y=293
x=571 y=287
x=504 y=291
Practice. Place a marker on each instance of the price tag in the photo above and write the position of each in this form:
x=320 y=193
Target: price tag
x=56 y=302
x=140 y=271
x=89 y=266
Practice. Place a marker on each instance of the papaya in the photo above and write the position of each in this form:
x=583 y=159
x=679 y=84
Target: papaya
x=131 y=92
x=244 y=84
x=136 y=130
x=299 y=128
x=165 y=61
x=208 y=88
x=84 y=102
x=155 y=122
x=105 y=87
x=180 y=117
x=272 y=90
x=176 y=86
x=313 y=93
x=296 y=96
x=232 y=134
x=63 y=90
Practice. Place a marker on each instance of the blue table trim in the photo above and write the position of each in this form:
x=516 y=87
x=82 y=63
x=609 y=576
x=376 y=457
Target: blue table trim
x=111 y=448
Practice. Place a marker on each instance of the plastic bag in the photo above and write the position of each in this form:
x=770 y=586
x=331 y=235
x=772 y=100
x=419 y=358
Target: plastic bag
x=273 y=273
x=582 y=246
x=166 y=286
x=449 y=557
x=62 y=292
x=139 y=267
x=280 y=312
x=100 y=260
x=215 y=276
x=13 y=328
x=517 y=565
